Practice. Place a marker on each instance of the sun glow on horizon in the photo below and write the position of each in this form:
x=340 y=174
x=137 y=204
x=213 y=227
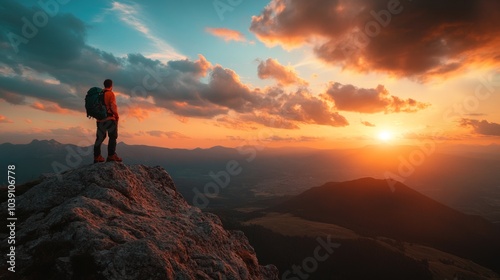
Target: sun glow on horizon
x=385 y=136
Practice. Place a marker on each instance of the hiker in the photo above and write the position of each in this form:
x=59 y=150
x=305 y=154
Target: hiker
x=107 y=125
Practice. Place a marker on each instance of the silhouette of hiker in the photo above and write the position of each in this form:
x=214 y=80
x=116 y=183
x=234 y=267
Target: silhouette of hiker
x=108 y=125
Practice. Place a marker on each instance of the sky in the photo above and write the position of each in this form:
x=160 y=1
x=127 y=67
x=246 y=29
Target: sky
x=196 y=73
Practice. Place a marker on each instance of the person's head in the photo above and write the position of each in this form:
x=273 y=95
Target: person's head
x=108 y=83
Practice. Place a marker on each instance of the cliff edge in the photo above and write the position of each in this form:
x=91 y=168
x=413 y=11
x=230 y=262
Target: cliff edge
x=115 y=221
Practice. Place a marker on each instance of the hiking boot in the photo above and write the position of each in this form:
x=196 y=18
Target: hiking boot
x=99 y=158
x=114 y=158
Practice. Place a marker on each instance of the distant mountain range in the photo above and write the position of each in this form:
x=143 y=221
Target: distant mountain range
x=371 y=207
x=49 y=156
x=463 y=177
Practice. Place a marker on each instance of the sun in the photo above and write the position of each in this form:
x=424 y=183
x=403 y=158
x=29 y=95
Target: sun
x=385 y=136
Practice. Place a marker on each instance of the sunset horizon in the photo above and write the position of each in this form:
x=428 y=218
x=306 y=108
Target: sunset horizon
x=239 y=74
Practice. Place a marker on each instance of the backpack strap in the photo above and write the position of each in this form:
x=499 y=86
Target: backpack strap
x=103 y=95
x=108 y=109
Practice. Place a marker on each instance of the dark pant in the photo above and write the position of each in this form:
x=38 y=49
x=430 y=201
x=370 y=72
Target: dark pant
x=111 y=127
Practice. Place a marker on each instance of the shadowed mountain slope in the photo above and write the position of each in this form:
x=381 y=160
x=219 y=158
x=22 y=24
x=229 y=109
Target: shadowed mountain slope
x=386 y=208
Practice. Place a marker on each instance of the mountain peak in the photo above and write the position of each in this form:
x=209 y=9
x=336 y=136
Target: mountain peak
x=50 y=142
x=114 y=221
x=371 y=207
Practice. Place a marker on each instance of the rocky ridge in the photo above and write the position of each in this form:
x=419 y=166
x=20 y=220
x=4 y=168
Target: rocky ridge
x=115 y=221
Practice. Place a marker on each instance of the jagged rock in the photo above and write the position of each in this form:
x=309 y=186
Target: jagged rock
x=113 y=221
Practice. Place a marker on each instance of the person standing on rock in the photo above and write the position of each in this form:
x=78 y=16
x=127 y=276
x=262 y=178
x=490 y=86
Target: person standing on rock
x=108 y=125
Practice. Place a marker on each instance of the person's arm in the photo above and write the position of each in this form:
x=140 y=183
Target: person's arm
x=112 y=105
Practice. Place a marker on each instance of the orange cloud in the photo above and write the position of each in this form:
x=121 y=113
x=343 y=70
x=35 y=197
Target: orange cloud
x=53 y=108
x=285 y=75
x=71 y=131
x=369 y=124
x=168 y=134
x=304 y=107
x=276 y=138
x=234 y=123
x=227 y=34
x=269 y=120
x=139 y=113
x=272 y=107
x=182 y=119
x=4 y=119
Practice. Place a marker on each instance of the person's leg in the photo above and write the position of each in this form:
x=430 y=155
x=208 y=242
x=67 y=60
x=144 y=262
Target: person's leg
x=100 y=136
x=112 y=128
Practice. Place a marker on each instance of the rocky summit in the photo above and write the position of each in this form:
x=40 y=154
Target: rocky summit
x=114 y=221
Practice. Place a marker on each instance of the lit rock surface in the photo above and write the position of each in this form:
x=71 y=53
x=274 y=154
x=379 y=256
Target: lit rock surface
x=114 y=221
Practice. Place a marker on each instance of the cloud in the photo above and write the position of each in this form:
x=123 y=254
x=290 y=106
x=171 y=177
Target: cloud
x=304 y=107
x=277 y=108
x=12 y=98
x=437 y=136
x=408 y=39
x=225 y=89
x=131 y=15
x=198 y=68
x=482 y=127
x=15 y=89
x=4 y=119
x=167 y=134
x=186 y=87
x=373 y=100
x=139 y=113
x=270 y=120
x=234 y=123
x=271 y=68
x=276 y=138
x=369 y=124
x=39 y=44
x=475 y=114
x=227 y=34
x=52 y=108
x=72 y=132
x=287 y=110
x=134 y=75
